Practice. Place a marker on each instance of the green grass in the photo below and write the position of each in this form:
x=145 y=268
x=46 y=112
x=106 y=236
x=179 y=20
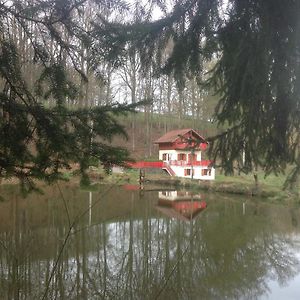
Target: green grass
x=269 y=187
x=271 y=181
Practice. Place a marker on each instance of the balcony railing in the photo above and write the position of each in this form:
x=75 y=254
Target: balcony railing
x=183 y=163
x=165 y=164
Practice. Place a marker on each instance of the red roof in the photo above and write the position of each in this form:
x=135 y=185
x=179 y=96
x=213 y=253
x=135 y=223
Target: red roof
x=186 y=211
x=173 y=135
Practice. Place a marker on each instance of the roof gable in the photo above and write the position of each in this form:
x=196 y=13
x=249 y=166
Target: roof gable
x=172 y=136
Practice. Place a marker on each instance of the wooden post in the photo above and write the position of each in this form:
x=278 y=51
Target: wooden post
x=142 y=178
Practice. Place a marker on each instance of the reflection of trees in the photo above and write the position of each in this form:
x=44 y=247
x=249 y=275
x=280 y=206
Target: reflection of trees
x=280 y=258
x=222 y=254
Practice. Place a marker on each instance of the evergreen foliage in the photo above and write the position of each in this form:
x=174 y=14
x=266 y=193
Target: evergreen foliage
x=256 y=44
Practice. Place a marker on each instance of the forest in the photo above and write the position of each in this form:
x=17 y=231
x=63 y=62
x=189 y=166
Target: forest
x=71 y=69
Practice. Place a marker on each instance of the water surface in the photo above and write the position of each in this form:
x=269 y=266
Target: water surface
x=120 y=243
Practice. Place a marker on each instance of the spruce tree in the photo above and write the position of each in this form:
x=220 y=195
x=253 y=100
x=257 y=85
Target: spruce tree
x=40 y=132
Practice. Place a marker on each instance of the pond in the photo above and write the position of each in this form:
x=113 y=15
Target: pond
x=121 y=243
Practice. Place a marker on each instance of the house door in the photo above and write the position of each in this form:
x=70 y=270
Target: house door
x=166 y=157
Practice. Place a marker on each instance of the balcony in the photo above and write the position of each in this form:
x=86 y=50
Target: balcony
x=183 y=163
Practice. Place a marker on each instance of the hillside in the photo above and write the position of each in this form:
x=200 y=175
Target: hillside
x=145 y=132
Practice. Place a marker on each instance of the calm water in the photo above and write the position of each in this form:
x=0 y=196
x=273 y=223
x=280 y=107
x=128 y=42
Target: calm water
x=124 y=244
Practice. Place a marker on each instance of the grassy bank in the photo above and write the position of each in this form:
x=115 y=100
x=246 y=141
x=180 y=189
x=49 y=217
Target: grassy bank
x=269 y=188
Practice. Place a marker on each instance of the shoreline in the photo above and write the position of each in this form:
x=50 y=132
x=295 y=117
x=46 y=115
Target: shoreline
x=241 y=185
x=267 y=190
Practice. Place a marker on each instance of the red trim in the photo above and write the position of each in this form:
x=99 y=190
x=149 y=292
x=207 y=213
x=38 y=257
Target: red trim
x=166 y=146
x=180 y=146
x=203 y=146
x=145 y=164
x=202 y=163
x=161 y=164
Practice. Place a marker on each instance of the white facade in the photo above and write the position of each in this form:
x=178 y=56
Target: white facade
x=172 y=155
x=176 y=195
x=179 y=163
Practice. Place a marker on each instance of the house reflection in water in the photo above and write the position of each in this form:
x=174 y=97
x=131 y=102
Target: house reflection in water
x=181 y=205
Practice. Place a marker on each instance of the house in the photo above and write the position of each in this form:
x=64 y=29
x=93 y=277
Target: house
x=181 y=153
x=181 y=205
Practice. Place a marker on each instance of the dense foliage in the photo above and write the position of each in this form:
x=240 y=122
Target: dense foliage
x=44 y=125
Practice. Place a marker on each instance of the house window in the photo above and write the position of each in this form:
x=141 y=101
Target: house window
x=181 y=156
x=206 y=172
x=188 y=172
x=165 y=156
x=192 y=157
